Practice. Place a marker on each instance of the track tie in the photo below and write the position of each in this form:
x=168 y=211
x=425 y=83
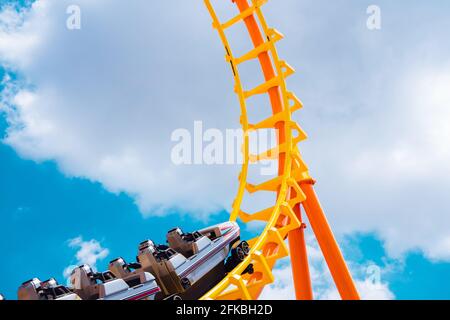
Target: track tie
x=263 y=215
x=261 y=263
x=270 y=185
x=274 y=153
x=300 y=195
x=293 y=223
x=276 y=81
x=243 y=15
x=239 y=283
x=270 y=122
x=274 y=237
x=265 y=47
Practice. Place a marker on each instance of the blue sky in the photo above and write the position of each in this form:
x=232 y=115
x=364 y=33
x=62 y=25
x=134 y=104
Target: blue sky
x=87 y=117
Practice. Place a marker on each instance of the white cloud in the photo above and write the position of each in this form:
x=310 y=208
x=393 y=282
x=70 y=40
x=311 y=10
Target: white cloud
x=21 y=33
x=376 y=110
x=88 y=252
x=419 y=145
x=389 y=173
x=102 y=102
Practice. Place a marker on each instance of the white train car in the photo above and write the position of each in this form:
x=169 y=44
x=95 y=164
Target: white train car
x=186 y=268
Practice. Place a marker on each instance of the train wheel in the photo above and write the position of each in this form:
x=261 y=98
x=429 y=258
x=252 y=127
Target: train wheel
x=238 y=254
x=245 y=247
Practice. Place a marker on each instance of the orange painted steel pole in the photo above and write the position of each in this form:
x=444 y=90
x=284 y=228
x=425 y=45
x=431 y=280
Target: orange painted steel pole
x=328 y=245
x=269 y=73
x=299 y=261
x=300 y=267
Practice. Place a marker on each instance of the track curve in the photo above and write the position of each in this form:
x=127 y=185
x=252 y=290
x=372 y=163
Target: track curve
x=280 y=219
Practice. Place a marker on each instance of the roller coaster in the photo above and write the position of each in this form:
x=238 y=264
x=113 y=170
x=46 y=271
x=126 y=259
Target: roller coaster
x=293 y=187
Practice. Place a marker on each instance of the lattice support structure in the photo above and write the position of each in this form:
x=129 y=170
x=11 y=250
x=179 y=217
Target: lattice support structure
x=293 y=186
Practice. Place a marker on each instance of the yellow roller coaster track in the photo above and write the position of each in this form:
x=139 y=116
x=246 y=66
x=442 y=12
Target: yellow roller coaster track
x=293 y=186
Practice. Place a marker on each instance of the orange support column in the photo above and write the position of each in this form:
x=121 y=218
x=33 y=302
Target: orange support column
x=328 y=244
x=299 y=261
x=268 y=71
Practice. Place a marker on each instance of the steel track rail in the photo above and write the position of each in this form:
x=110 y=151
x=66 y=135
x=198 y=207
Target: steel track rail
x=269 y=246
